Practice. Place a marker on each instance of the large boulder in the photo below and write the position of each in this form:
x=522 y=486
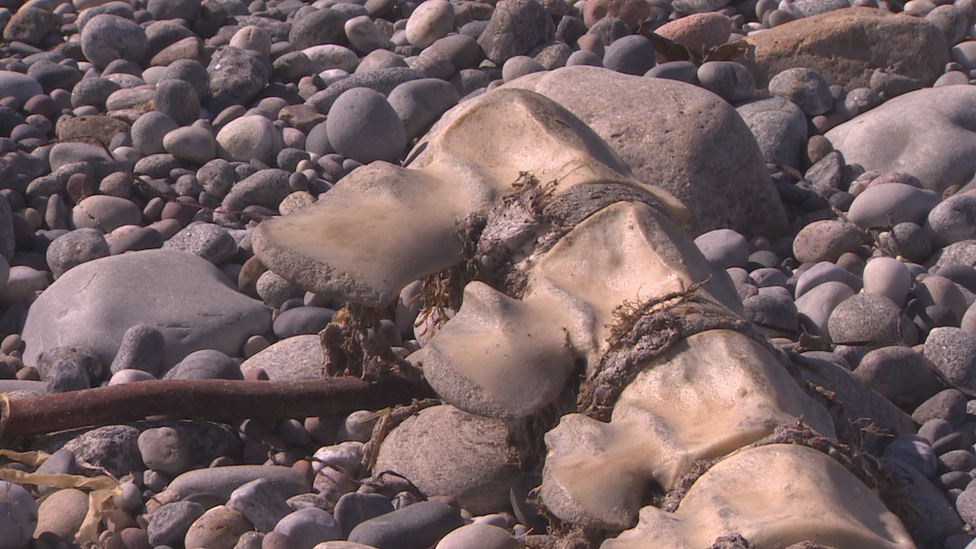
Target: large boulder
x=180 y=294
x=845 y=46
x=676 y=136
x=928 y=133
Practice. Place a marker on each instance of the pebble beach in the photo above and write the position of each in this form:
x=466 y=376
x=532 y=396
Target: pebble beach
x=824 y=152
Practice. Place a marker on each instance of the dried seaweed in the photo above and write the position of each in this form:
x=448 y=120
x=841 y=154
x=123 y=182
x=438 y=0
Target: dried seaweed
x=354 y=344
x=641 y=332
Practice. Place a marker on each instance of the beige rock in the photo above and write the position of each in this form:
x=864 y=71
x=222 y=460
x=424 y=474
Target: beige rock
x=761 y=495
x=62 y=513
x=845 y=46
x=447 y=452
x=249 y=137
x=431 y=20
x=675 y=136
x=293 y=358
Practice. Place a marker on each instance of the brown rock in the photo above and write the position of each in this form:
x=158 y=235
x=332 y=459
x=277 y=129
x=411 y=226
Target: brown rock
x=187 y=48
x=302 y=117
x=84 y=128
x=845 y=46
x=218 y=528
x=631 y=12
x=698 y=32
x=825 y=240
x=30 y=25
x=62 y=513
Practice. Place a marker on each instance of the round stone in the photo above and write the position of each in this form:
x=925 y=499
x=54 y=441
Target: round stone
x=249 y=137
x=728 y=80
x=724 y=248
x=952 y=220
x=632 y=54
x=18 y=516
x=698 y=32
x=149 y=130
x=191 y=143
x=431 y=20
x=163 y=450
x=252 y=37
x=518 y=66
x=218 y=528
x=479 y=473
x=883 y=205
x=899 y=374
x=93 y=91
x=868 y=320
x=74 y=248
x=105 y=213
x=888 y=277
x=178 y=100
x=363 y=126
x=364 y=35
x=804 y=87
x=209 y=241
x=62 y=513
x=825 y=240
x=107 y=37
x=206 y=364
x=953 y=352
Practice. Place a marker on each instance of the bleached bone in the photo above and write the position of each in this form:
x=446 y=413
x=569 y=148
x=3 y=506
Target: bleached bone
x=774 y=496
x=699 y=392
x=383 y=226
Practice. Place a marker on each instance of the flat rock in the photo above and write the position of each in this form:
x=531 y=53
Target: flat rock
x=415 y=526
x=192 y=304
x=222 y=481
x=298 y=357
x=667 y=132
x=927 y=133
x=845 y=46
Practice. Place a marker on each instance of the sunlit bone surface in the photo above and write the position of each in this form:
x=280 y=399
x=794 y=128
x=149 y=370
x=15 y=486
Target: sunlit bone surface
x=708 y=395
x=773 y=496
x=705 y=397
x=384 y=226
x=495 y=358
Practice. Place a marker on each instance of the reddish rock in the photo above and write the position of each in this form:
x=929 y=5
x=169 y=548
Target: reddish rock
x=698 y=32
x=631 y=12
x=845 y=46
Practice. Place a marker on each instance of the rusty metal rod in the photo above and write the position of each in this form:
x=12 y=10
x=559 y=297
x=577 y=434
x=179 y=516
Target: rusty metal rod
x=204 y=399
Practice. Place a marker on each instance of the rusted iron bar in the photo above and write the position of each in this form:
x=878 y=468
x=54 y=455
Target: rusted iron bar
x=203 y=399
